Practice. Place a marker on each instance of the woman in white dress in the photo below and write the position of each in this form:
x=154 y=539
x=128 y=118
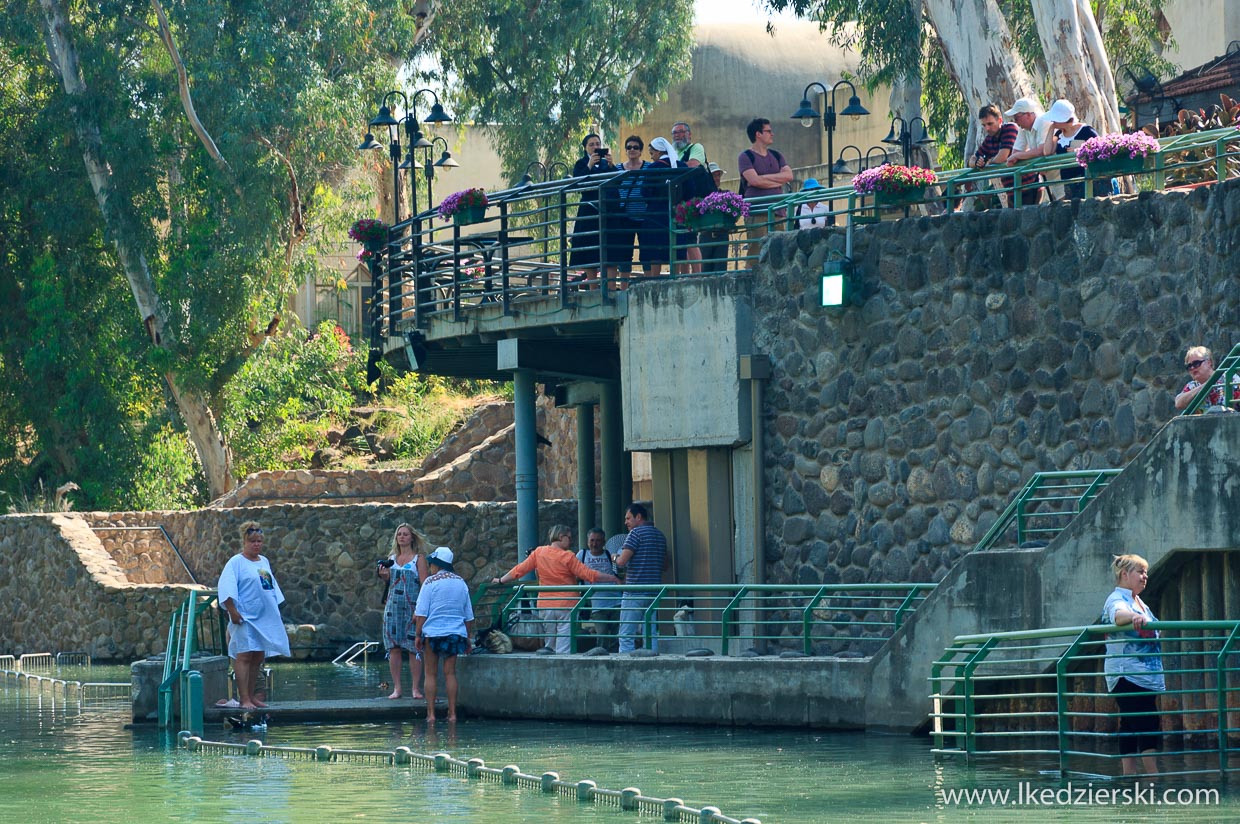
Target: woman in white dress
x=249 y=593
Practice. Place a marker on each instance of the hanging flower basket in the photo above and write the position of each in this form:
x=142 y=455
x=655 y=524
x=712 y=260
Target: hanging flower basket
x=893 y=185
x=371 y=232
x=1111 y=155
x=464 y=207
x=716 y=212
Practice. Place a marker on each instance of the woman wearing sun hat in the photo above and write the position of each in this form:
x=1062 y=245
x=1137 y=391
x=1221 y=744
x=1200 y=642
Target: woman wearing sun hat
x=444 y=624
x=815 y=212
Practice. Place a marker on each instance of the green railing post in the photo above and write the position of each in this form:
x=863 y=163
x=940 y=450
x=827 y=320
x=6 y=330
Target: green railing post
x=1061 y=702
x=970 y=715
x=1221 y=671
x=648 y=618
x=725 y=620
x=898 y=618
x=807 y=616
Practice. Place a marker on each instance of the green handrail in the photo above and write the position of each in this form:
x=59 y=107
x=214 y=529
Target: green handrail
x=1061 y=701
x=1093 y=481
x=1224 y=373
x=1220 y=685
x=896 y=600
x=183 y=642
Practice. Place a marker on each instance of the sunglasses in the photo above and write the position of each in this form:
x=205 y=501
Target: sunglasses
x=254 y=530
x=1194 y=364
x=632 y=148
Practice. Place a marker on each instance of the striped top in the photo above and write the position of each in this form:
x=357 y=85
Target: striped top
x=649 y=551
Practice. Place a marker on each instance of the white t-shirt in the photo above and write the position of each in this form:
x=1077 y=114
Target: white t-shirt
x=815 y=214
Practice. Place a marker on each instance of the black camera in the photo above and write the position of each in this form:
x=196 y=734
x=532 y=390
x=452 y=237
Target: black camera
x=387 y=563
x=602 y=151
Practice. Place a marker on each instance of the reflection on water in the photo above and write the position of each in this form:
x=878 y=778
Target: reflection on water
x=63 y=762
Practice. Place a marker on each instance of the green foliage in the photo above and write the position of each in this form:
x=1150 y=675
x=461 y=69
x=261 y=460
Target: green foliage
x=542 y=73
x=277 y=407
x=168 y=476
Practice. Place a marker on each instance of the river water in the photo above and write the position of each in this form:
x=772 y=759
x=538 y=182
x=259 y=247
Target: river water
x=83 y=762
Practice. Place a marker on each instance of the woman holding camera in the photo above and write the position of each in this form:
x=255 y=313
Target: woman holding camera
x=404 y=571
x=586 y=239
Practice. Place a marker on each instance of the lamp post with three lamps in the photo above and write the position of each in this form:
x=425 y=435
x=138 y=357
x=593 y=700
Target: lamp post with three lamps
x=912 y=133
x=807 y=114
x=415 y=140
x=840 y=167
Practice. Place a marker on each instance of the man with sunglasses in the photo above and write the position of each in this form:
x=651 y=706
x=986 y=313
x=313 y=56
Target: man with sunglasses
x=1199 y=362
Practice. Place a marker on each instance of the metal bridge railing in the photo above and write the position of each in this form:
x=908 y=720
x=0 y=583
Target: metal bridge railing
x=1045 y=505
x=813 y=619
x=1224 y=384
x=1041 y=695
x=196 y=626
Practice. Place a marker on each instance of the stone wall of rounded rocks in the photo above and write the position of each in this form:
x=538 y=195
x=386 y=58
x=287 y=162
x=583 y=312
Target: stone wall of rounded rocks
x=979 y=348
x=144 y=555
x=63 y=592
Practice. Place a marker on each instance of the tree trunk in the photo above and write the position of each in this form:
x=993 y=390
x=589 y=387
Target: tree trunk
x=980 y=54
x=212 y=452
x=1077 y=61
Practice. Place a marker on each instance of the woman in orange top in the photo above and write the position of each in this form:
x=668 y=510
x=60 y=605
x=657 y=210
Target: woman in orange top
x=555 y=564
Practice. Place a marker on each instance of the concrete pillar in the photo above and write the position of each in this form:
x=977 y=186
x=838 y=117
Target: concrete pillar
x=611 y=441
x=526 y=436
x=585 y=470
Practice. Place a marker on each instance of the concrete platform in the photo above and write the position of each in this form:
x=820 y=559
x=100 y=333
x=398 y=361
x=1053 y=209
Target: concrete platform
x=342 y=711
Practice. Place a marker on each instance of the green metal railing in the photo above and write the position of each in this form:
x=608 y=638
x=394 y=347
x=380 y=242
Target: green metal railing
x=196 y=626
x=1040 y=695
x=1226 y=376
x=1046 y=504
x=813 y=619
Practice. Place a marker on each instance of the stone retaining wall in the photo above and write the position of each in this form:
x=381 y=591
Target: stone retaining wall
x=983 y=347
x=144 y=555
x=475 y=463
x=65 y=592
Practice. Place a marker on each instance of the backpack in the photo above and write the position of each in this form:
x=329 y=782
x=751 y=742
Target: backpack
x=752 y=157
x=700 y=182
x=581 y=556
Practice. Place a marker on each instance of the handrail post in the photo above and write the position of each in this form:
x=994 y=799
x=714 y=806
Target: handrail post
x=970 y=722
x=504 y=260
x=725 y=620
x=904 y=605
x=807 y=616
x=648 y=622
x=1061 y=703
x=1220 y=684
x=563 y=248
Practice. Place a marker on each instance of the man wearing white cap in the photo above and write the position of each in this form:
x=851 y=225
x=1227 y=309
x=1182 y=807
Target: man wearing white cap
x=444 y=625
x=1026 y=113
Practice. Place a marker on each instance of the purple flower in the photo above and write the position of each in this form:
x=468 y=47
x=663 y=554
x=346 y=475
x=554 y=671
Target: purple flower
x=459 y=201
x=1107 y=146
x=892 y=178
x=368 y=228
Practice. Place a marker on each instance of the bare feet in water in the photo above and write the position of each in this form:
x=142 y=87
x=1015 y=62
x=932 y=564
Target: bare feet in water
x=394 y=696
x=430 y=718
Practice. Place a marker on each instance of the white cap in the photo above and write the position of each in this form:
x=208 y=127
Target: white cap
x=441 y=554
x=1061 y=111
x=713 y=167
x=1026 y=105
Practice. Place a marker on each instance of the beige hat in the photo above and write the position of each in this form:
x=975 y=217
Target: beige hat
x=713 y=167
x=1026 y=105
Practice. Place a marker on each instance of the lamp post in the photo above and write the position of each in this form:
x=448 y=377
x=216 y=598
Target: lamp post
x=840 y=167
x=527 y=179
x=445 y=161
x=551 y=167
x=415 y=139
x=807 y=114
x=912 y=133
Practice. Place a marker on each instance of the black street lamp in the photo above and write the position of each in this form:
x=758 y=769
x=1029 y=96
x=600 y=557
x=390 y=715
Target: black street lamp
x=445 y=161
x=551 y=167
x=415 y=139
x=840 y=167
x=807 y=114
x=912 y=133
x=527 y=179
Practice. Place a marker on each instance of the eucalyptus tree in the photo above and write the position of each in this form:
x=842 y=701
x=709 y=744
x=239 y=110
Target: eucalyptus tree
x=539 y=74
x=205 y=134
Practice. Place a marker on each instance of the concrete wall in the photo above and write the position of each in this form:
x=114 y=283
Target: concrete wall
x=679 y=350
x=1178 y=498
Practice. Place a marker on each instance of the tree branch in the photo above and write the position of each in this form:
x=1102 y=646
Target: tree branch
x=297 y=225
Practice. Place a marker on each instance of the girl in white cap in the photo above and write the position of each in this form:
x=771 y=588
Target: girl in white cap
x=444 y=621
x=1066 y=135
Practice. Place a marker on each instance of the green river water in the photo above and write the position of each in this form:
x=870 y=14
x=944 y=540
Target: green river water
x=69 y=763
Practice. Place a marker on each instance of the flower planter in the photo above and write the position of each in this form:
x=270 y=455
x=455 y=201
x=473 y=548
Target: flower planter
x=469 y=214
x=904 y=197
x=712 y=222
x=1116 y=166
x=376 y=244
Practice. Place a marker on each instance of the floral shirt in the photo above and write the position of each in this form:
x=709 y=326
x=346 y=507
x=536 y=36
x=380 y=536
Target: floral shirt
x=1132 y=654
x=1216 y=392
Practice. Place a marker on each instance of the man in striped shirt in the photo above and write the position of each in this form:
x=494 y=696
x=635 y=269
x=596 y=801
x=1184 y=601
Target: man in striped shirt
x=644 y=555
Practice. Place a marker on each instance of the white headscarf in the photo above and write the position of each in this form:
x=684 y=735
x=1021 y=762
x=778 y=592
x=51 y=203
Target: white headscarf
x=662 y=144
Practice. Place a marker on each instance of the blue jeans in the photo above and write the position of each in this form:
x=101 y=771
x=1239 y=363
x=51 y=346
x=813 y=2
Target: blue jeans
x=632 y=612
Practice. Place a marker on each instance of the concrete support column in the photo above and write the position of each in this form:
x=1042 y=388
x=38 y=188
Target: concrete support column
x=585 y=470
x=611 y=442
x=526 y=436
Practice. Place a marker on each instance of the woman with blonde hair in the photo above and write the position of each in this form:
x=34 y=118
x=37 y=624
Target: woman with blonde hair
x=1133 y=665
x=404 y=571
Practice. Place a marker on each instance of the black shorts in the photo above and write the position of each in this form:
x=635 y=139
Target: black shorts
x=1138 y=733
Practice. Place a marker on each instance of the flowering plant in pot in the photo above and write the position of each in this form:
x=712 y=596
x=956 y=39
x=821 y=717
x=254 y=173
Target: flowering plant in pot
x=716 y=210
x=892 y=179
x=369 y=231
x=1117 y=153
x=466 y=206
